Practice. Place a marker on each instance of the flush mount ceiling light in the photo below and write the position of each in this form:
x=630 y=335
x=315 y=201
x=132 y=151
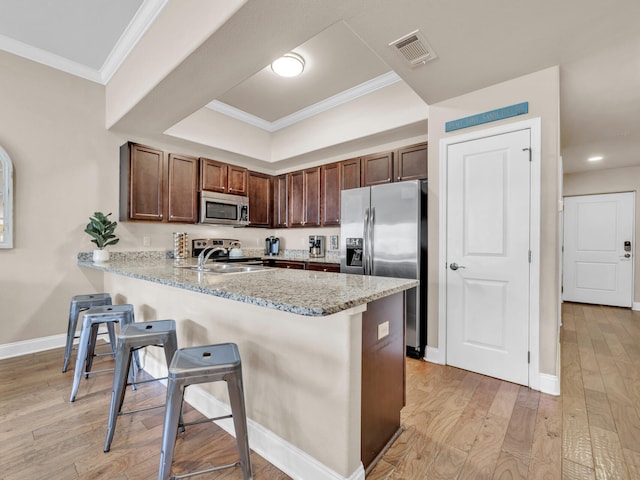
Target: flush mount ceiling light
x=289 y=65
x=595 y=158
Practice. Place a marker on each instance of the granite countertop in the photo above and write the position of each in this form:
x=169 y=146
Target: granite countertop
x=302 y=292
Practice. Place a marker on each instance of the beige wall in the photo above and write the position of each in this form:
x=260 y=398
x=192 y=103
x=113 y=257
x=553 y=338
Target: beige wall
x=541 y=90
x=613 y=180
x=52 y=127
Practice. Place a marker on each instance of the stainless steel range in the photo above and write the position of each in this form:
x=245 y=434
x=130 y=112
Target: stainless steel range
x=200 y=244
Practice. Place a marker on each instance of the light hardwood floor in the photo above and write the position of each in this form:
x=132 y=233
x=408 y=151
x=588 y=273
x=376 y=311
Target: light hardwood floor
x=457 y=424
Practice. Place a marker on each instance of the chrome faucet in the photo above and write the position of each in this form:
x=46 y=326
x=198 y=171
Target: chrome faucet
x=206 y=253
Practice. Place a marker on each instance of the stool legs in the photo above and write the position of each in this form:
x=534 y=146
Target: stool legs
x=197 y=365
x=133 y=337
x=83 y=347
x=175 y=394
x=80 y=303
x=108 y=314
x=236 y=399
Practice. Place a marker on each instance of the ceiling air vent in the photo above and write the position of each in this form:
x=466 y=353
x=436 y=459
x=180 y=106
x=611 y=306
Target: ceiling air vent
x=414 y=48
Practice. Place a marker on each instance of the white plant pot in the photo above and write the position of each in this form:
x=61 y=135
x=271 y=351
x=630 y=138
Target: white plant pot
x=100 y=256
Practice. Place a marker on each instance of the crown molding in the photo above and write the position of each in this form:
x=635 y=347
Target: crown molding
x=341 y=98
x=140 y=23
x=47 y=58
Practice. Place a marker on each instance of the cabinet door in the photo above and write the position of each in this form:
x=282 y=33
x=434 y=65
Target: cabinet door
x=411 y=163
x=236 y=180
x=311 y=197
x=213 y=176
x=259 y=190
x=296 y=199
x=293 y=265
x=350 y=174
x=323 y=267
x=377 y=169
x=183 y=189
x=280 y=201
x=330 y=193
x=142 y=183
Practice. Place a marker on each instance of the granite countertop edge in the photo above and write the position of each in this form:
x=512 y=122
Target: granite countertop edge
x=343 y=291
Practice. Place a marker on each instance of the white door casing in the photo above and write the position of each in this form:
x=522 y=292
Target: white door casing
x=596 y=267
x=488 y=326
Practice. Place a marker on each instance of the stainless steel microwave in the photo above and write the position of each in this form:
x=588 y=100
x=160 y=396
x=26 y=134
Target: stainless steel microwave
x=224 y=209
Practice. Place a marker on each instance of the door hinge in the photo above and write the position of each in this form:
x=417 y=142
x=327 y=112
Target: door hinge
x=528 y=357
x=529 y=256
x=528 y=149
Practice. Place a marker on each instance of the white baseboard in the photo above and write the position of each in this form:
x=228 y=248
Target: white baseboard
x=434 y=355
x=549 y=384
x=9 y=350
x=277 y=451
x=25 y=347
x=635 y=306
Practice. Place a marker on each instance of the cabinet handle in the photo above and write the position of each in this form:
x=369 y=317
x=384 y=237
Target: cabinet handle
x=388 y=179
x=398 y=178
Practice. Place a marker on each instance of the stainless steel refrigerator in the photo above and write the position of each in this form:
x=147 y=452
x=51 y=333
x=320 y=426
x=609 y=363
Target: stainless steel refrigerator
x=383 y=232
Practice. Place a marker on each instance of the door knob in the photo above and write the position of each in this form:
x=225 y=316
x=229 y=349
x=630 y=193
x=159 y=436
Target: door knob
x=455 y=266
x=627 y=255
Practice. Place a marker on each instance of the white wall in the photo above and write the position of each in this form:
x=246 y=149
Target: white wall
x=541 y=90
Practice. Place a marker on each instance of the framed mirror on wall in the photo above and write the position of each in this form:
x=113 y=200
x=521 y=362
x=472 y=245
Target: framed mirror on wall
x=6 y=200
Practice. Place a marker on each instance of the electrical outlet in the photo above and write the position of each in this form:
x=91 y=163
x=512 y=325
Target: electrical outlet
x=383 y=330
x=146 y=241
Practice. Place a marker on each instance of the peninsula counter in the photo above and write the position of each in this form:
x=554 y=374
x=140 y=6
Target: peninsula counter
x=322 y=353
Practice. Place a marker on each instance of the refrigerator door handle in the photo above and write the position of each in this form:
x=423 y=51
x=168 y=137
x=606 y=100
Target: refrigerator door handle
x=366 y=242
x=372 y=222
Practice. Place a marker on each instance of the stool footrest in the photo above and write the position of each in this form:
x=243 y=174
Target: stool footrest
x=206 y=470
x=206 y=420
x=128 y=412
x=138 y=382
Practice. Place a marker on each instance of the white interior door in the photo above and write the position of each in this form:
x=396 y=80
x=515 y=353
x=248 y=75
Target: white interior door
x=488 y=208
x=596 y=266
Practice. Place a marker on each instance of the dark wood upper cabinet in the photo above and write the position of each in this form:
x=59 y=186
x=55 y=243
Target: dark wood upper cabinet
x=304 y=198
x=260 y=199
x=330 y=193
x=411 y=163
x=222 y=178
x=213 y=176
x=377 y=169
x=142 y=183
x=237 y=180
x=280 y=201
x=182 y=189
x=350 y=174
x=157 y=187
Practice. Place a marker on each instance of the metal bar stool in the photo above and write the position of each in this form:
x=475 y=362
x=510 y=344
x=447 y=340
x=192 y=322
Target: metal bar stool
x=78 y=304
x=91 y=320
x=132 y=337
x=211 y=363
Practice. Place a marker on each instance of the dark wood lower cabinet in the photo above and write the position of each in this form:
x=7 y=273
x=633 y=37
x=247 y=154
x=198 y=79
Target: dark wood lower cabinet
x=383 y=375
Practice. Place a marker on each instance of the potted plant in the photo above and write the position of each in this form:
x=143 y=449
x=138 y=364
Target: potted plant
x=101 y=229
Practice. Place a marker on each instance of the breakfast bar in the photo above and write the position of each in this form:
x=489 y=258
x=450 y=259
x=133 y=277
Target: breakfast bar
x=322 y=353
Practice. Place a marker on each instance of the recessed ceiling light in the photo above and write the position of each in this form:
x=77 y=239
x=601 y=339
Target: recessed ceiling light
x=596 y=158
x=289 y=65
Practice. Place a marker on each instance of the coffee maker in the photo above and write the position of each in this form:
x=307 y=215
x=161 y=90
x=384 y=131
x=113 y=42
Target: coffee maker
x=271 y=246
x=316 y=245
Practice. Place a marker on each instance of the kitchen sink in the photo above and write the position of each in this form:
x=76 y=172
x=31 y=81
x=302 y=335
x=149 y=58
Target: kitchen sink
x=225 y=268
